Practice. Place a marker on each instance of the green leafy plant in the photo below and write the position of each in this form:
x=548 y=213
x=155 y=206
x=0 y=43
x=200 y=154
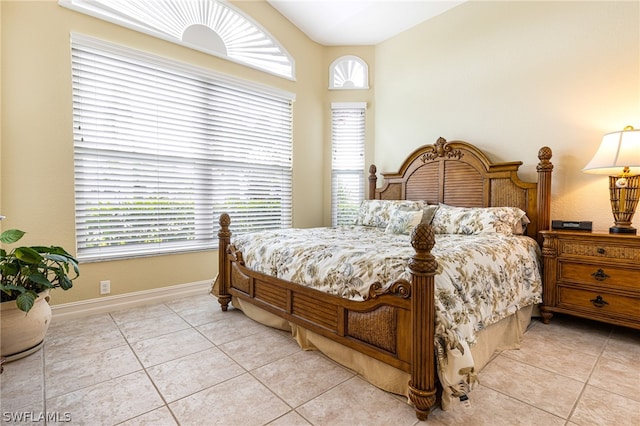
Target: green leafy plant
x=27 y=271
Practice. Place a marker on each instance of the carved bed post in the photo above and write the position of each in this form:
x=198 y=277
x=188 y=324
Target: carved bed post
x=544 y=168
x=423 y=266
x=550 y=274
x=373 y=181
x=224 y=239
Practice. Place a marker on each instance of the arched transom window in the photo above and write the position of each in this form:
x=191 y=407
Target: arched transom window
x=349 y=72
x=211 y=26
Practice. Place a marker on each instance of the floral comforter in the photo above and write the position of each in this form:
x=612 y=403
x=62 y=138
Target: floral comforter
x=481 y=278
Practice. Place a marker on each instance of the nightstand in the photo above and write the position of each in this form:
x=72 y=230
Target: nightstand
x=592 y=275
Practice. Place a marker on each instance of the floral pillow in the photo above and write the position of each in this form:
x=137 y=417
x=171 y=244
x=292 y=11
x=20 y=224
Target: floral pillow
x=378 y=212
x=478 y=220
x=403 y=221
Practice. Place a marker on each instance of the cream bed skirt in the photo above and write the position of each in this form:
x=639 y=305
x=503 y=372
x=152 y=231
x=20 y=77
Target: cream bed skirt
x=505 y=334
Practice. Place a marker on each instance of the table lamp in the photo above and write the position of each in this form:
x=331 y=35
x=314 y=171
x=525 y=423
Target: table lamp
x=619 y=157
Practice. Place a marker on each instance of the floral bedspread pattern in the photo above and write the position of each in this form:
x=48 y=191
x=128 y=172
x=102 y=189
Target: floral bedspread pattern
x=481 y=278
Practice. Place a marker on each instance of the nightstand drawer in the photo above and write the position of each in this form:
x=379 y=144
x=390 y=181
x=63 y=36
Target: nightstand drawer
x=597 y=250
x=599 y=274
x=600 y=302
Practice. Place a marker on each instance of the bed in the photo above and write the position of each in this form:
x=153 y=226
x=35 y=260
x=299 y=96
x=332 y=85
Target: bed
x=395 y=331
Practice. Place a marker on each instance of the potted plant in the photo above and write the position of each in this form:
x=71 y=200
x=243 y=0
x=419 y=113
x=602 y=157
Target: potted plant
x=27 y=276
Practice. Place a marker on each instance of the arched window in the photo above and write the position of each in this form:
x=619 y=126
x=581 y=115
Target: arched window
x=211 y=26
x=349 y=72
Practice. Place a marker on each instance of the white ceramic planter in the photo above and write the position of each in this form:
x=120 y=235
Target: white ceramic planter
x=23 y=332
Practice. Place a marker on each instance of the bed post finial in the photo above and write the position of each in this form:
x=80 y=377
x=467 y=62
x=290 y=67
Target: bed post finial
x=544 y=168
x=224 y=239
x=373 y=181
x=423 y=267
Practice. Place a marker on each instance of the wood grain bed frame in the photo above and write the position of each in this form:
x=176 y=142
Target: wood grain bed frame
x=396 y=326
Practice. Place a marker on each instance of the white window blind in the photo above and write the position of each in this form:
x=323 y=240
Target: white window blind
x=347 y=163
x=162 y=149
x=349 y=72
x=211 y=26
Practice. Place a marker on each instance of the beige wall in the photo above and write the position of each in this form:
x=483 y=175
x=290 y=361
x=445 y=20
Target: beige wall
x=511 y=77
x=37 y=140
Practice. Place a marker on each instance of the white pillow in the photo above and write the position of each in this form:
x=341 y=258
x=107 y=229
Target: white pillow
x=428 y=212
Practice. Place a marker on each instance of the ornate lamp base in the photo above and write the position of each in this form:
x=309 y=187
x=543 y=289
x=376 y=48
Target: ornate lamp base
x=623 y=230
x=624 y=191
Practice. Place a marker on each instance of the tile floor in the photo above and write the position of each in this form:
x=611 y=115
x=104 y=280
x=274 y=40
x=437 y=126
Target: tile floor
x=177 y=363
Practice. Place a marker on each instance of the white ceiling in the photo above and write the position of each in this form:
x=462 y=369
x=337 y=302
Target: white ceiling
x=358 y=22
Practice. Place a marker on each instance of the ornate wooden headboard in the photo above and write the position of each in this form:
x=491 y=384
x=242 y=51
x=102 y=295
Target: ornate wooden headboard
x=459 y=174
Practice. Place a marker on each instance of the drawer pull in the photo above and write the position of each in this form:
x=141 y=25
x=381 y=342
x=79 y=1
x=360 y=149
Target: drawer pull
x=600 y=250
x=600 y=275
x=599 y=302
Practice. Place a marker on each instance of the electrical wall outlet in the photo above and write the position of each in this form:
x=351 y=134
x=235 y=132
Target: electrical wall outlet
x=105 y=287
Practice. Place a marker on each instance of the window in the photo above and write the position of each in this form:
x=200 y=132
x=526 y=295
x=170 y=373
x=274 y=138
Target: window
x=211 y=26
x=347 y=161
x=348 y=72
x=162 y=149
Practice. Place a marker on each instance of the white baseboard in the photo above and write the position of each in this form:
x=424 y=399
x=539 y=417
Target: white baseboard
x=129 y=300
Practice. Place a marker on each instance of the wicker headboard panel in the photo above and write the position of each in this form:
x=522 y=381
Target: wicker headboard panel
x=459 y=174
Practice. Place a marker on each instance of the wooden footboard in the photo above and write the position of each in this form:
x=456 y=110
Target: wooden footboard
x=380 y=326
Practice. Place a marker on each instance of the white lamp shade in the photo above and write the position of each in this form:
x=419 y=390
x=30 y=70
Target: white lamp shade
x=617 y=151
